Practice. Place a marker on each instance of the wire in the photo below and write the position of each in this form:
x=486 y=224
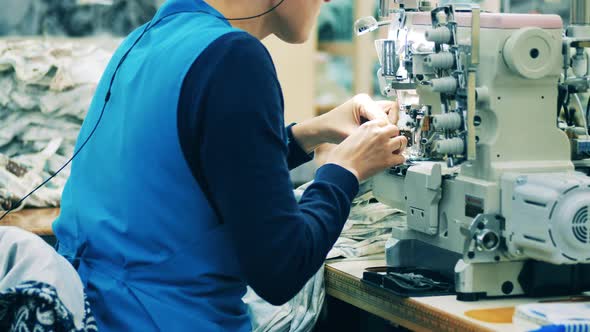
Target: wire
x=106 y=100
x=255 y=16
x=108 y=97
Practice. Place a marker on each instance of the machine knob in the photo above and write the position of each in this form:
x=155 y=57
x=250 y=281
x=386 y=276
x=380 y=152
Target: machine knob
x=532 y=53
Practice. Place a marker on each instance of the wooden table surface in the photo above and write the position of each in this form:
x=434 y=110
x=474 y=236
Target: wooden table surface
x=37 y=221
x=440 y=313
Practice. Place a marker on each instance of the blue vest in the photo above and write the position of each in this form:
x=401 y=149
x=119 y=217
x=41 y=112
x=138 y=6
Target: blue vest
x=148 y=246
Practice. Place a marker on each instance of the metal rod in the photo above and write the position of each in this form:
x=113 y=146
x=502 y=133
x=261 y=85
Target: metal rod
x=580 y=12
x=471 y=83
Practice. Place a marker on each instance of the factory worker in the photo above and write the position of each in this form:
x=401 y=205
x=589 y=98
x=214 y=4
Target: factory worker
x=182 y=195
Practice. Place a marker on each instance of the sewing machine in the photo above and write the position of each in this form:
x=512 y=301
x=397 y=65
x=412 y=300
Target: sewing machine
x=492 y=188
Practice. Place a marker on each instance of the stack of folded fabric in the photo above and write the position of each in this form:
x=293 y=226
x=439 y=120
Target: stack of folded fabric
x=45 y=90
x=367 y=229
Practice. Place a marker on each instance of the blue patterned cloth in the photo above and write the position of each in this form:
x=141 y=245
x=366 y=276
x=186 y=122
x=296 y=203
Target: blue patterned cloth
x=35 y=306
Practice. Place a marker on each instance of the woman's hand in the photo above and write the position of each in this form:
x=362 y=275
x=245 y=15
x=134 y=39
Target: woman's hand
x=336 y=125
x=370 y=149
x=345 y=119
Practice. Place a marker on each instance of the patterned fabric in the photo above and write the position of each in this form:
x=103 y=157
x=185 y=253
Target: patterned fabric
x=35 y=307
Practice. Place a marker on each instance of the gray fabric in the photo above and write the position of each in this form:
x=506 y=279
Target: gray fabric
x=26 y=257
x=298 y=315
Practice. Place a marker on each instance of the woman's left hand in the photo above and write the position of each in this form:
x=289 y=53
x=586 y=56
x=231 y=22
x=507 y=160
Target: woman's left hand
x=343 y=120
x=336 y=125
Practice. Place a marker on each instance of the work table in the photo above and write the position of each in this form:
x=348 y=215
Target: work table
x=37 y=221
x=438 y=313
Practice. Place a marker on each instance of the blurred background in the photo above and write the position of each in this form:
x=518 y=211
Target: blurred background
x=338 y=64
x=52 y=53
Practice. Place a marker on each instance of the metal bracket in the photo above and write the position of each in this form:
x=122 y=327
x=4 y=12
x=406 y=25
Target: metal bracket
x=483 y=238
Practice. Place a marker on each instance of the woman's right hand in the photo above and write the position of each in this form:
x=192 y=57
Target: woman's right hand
x=373 y=147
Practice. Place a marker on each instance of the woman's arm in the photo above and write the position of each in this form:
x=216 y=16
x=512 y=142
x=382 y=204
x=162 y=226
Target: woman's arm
x=242 y=156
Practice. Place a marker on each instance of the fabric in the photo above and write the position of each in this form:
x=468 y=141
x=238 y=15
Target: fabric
x=150 y=249
x=74 y=17
x=35 y=306
x=45 y=89
x=297 y=156
x=39 y=289
x=367 y=228
x=299 y=314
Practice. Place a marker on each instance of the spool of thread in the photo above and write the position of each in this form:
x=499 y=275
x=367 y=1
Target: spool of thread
x=580 y=64
x=448 y=121
x=453 y=146
x=444 y=85
x=440 y=35
x=442 y=60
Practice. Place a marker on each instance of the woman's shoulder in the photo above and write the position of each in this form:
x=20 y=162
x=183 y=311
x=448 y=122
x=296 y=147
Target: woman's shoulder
x=241 y=47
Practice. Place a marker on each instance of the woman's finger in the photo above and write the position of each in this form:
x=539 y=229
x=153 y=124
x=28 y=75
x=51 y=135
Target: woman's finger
x=398 y=144
x=369 y=109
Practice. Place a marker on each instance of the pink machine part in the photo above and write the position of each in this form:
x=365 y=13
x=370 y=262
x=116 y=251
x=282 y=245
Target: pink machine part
x=499 y=21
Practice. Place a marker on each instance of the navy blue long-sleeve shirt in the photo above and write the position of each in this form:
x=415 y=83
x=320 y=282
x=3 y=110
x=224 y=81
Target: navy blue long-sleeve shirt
x=231 y=128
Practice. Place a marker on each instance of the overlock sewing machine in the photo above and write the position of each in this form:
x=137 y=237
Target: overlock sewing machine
x=494 y=187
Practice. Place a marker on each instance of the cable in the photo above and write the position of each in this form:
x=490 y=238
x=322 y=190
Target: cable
x=108 y=97
x=255 y=16
x=106 y=101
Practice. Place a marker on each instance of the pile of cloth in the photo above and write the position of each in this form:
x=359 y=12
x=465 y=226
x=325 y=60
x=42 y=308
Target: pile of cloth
x=367 y=229
x=368 y=226
x=46 y=87
x=76 y=18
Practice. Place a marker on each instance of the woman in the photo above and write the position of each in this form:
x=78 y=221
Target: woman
x=182 y=195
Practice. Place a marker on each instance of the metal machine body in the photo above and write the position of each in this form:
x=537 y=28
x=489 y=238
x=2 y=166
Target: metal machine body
x=490 y=185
